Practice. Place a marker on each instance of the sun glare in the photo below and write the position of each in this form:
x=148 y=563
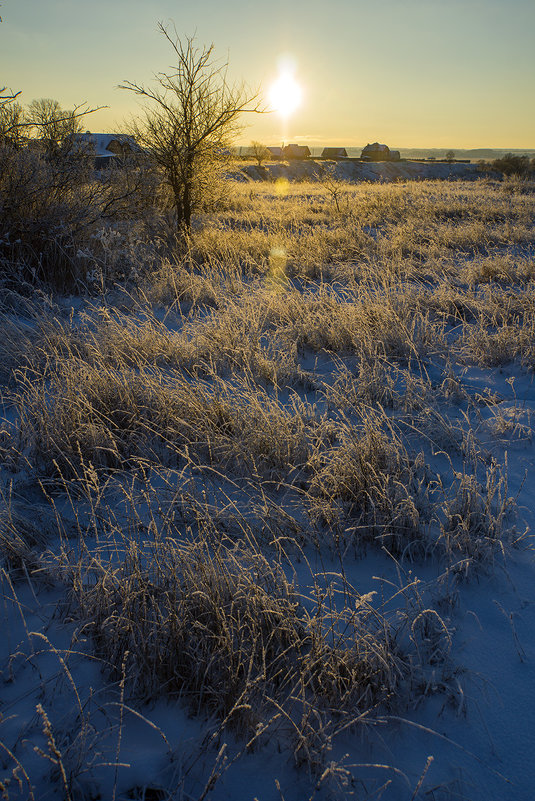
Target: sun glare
x=285 y=94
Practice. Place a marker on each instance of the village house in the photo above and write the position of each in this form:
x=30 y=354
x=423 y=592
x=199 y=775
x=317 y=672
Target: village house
x=377 y=152
x=334 y=153
x=275 y=152
x=107 y=149
x=296 y=152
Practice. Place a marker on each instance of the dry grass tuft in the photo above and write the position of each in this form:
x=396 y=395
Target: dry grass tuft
x=221 y=626
x=367 y=488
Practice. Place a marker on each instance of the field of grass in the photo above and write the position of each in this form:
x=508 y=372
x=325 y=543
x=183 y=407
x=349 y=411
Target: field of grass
x=248 y=493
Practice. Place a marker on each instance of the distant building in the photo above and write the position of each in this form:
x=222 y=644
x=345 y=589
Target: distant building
x=376 y=152
x=296 y=152
x=107 y=149
x=334 y=153
x=275 y=152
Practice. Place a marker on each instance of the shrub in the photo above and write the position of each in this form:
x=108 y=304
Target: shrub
x=514 y=165
x=50 y=206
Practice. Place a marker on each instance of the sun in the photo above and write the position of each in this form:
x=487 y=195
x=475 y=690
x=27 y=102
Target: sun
x=285 y=94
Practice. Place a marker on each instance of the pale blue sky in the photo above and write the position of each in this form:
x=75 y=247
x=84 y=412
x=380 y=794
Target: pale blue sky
x=418 y=73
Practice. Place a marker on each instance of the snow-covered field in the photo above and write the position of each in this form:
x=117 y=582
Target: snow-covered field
x=365 y=171
x=266 y=514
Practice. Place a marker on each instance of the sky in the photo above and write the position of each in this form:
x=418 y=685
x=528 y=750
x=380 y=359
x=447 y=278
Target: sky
x=417 y=73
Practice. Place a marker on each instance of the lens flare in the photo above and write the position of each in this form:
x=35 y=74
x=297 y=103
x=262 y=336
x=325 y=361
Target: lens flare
x=276 y=278
x=282 y=186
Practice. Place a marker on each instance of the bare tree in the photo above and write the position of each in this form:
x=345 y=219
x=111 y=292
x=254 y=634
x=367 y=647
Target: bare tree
x=11 y=120
x=190 y=121
x=450 y=156
x=334 y=185
x=260 y=152
x=52 y=124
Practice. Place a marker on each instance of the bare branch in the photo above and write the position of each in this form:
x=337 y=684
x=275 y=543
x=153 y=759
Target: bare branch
x=191 y=116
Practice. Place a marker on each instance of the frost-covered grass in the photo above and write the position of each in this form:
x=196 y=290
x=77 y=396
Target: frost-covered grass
x=254 y=487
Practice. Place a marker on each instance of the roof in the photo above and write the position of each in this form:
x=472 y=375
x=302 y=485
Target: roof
x=376 y=146
x=100 y=142
x=300 y=151
x=332 y=152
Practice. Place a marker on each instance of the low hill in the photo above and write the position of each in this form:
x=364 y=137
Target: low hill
x=363 y=171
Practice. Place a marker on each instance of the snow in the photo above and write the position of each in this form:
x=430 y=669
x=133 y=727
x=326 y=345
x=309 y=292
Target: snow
x=364 y=171
x=479 y=728
x=481 y=741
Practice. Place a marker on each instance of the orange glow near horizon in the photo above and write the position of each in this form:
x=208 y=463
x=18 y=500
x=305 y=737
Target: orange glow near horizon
x=362 y=74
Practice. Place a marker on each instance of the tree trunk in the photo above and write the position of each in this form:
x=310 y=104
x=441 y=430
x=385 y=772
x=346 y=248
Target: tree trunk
x=178 y=203
x=187 y=206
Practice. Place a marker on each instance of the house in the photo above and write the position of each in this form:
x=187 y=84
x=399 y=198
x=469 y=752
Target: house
x=376 y=152
x=275 y=152
x=296 y=152
x=107 y=149
x=334 y=153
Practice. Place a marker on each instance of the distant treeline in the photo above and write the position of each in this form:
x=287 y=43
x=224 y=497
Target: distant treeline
x=474 y=154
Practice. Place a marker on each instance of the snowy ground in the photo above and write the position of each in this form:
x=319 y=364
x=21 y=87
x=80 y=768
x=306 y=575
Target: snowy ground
x=362 y=171
x=463 y=726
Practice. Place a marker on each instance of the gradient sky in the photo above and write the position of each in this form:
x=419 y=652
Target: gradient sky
x=417 y=73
